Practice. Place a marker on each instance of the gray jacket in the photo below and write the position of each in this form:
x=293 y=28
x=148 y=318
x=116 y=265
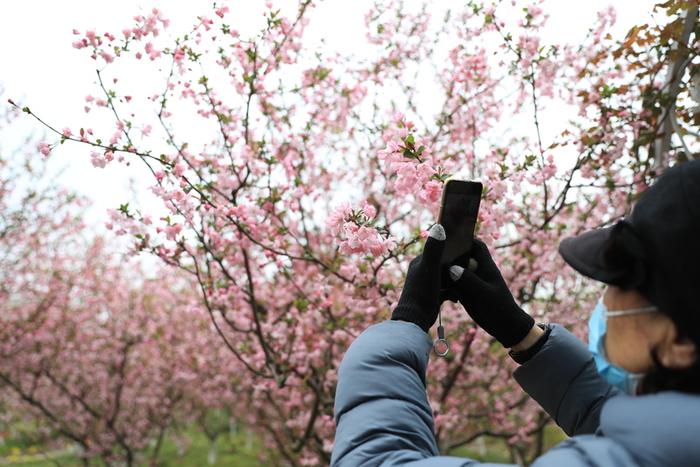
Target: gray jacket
x=383 y=416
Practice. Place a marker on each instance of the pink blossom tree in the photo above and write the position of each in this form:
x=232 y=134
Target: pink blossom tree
x=312 y=176
x=91 y=348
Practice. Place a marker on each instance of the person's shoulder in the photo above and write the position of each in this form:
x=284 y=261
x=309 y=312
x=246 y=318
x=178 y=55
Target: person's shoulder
x=662 y=426
x=656 y=429
x=588 y=451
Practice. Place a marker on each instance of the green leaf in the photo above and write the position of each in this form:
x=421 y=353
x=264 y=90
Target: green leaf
x=301 y=304
x=192 y=55
x=529 y=160
x=251 y=54
x=225 y=119
x=322 y=73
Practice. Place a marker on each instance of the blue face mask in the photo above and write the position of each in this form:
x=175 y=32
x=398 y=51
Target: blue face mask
x=597 y=327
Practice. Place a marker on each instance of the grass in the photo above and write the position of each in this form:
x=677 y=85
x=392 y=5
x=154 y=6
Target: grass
x=233 y=449
x=495 y=449
x=238 y=449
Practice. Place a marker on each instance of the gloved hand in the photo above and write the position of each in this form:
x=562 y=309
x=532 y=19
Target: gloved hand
x=420 y=298
x=485 y=296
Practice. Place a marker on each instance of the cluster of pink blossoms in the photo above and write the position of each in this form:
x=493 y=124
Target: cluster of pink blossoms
x=411 y=160
x=357 y=232
x=145 y=26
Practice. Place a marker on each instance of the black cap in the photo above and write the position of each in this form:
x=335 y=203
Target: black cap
x=656 y=250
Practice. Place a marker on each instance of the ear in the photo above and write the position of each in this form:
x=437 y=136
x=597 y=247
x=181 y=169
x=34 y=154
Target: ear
x=677 y=353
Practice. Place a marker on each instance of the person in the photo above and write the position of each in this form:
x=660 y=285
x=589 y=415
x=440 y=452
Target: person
x=631 y=397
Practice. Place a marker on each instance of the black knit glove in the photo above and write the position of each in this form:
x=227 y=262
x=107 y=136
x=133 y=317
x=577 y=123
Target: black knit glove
x=420 y=298
x=485 y=296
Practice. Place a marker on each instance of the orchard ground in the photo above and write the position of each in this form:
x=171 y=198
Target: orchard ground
x=239 y=449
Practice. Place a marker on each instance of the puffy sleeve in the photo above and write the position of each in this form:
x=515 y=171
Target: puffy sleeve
x=562 y=378
x=382 y=412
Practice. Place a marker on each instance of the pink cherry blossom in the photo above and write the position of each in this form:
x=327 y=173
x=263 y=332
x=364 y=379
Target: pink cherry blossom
x=44 y=148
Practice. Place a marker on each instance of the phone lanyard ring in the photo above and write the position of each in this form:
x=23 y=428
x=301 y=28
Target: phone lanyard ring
x=440 y=345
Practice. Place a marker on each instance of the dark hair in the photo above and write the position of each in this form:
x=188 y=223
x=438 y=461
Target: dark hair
x=661 y=378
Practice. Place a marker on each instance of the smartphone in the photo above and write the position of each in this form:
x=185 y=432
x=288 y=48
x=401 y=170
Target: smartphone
x=458 y=213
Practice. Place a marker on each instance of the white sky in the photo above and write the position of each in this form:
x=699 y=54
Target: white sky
x=39 y=68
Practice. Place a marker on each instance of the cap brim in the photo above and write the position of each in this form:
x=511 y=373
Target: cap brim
x=584 y=253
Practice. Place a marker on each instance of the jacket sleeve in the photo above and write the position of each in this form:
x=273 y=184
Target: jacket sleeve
x=382 y=412
x=562 y=378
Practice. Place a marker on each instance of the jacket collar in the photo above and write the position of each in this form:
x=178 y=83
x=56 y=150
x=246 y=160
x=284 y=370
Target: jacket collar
x=657 y=429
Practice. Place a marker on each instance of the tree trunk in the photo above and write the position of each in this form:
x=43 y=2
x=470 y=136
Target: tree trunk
x=671 y=88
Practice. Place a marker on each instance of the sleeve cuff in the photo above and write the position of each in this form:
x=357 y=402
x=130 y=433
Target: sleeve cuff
x=525 y=355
